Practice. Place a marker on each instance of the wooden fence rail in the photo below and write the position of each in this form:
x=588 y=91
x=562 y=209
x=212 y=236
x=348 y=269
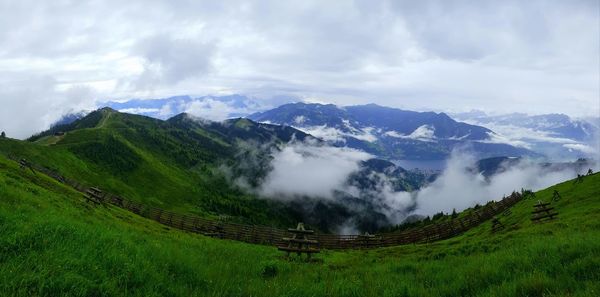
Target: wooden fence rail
x=273 y=236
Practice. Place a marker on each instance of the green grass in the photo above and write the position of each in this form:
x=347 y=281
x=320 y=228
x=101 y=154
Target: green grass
x=151 y=161
x=53 y=244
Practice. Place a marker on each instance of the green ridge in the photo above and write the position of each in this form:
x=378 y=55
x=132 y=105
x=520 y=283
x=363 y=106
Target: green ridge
x=187 y=165
x=174 y=165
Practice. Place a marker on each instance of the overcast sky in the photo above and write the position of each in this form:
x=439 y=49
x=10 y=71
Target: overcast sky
x=532 y=56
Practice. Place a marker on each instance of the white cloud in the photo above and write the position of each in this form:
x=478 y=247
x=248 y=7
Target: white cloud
x=498 y=138
x=307 y=169
x=299 y=120
x=139 y=110
x=422 y=133
x=394 y=134
x=209 y=109
x=534 y=55
x=33 y=104
x=458 y=188
x=303 y=169
x=516 y=134
x=336 y=135
x=166 y=110
x=582 y=147
x=323 y=132
x=393 y=204
x=168 y=60
x=310 y=170
x=366 y=134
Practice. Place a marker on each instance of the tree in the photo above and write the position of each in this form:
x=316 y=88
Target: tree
x=454 y=214
x=2 y=135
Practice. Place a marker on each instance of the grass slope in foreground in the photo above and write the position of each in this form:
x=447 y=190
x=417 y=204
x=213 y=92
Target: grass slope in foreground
x=54 y=244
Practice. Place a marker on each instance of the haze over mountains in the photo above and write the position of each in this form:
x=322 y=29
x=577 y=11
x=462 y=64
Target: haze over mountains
x=214 y=108
x=344 y=154
x=344 y=168
x=392 y=133
x=555 y=135
x=388 y=132
x=337 y=184
x=222 y=168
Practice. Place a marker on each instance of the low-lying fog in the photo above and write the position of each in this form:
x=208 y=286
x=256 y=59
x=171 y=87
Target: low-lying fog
x=306 y=169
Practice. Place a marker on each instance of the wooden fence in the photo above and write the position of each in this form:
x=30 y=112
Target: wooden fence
x=273 y=236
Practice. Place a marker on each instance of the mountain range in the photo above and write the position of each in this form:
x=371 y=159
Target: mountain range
x=196 y=166
x=555 y=135
x=227 y=168
x=398 y=135
x=390 y=133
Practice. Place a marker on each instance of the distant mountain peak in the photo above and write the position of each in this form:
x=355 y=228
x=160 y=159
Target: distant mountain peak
x=386 y=132
x=106 y=109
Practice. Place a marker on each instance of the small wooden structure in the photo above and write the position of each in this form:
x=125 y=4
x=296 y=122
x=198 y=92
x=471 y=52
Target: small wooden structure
x=368 y=240
x=312 y=242
x=94 y=195
x=542 y=212
x=556 y=196
x=23 y=163
x=299 y=243
x=217 y=231
x=496 y=225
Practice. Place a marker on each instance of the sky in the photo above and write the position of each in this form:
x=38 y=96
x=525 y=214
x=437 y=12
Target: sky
x=496 y=56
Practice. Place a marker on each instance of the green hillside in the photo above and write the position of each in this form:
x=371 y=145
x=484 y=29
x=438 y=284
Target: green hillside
x=174 y=165
x=191 y=166
x=54 y=244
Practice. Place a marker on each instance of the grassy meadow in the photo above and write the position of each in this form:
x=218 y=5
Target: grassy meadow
x=54 y=244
